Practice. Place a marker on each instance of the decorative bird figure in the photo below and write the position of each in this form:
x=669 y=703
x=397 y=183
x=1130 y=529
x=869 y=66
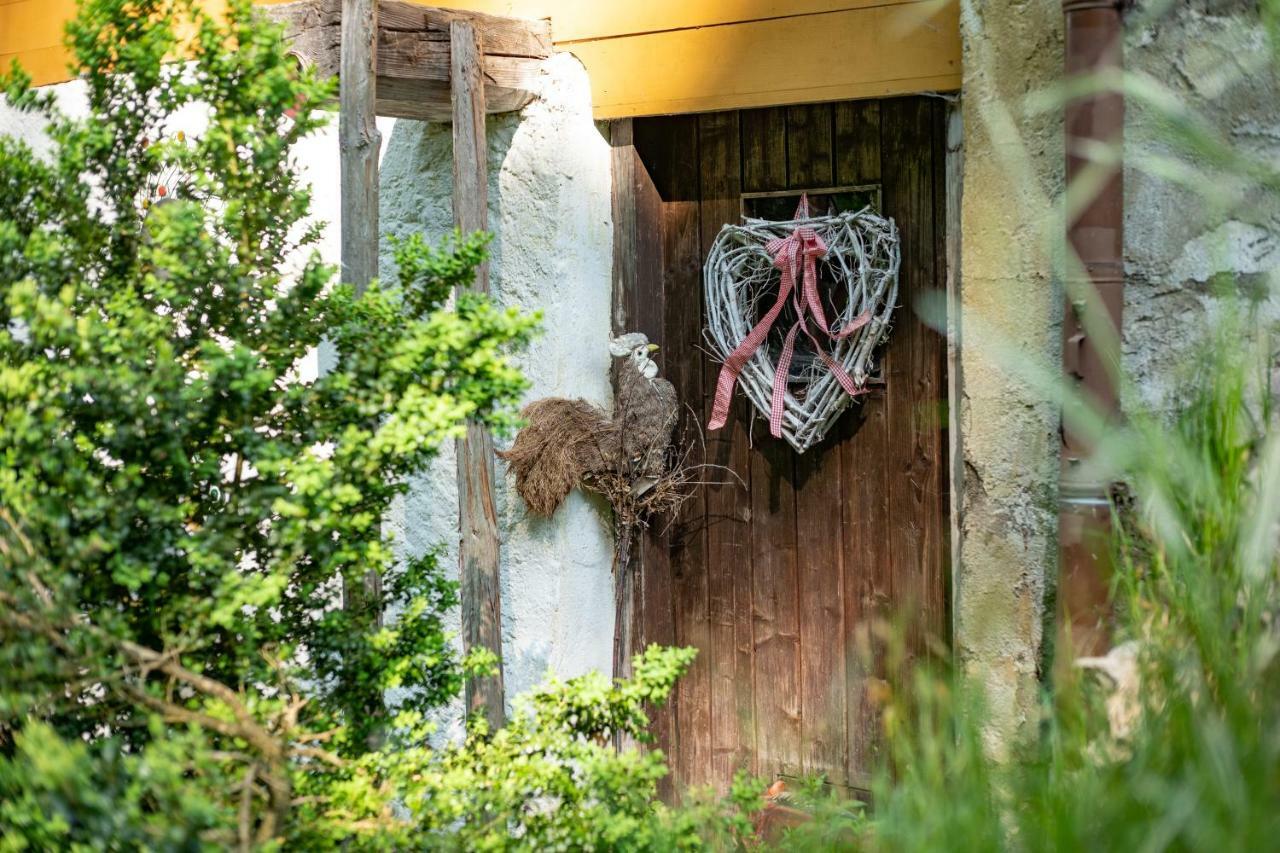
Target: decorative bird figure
x=644 y=412
x=567 y=443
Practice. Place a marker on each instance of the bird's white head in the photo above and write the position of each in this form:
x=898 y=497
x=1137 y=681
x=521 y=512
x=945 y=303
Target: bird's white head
x=636 y=347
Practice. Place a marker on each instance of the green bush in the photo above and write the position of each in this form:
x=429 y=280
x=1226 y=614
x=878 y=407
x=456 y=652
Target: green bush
x=180 y=514
x=181 y=511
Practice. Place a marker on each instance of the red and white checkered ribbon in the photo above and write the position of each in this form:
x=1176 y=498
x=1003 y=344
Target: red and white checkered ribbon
x=794 y=254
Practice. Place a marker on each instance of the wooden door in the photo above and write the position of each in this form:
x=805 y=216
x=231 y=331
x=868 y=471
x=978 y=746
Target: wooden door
x=777 y=574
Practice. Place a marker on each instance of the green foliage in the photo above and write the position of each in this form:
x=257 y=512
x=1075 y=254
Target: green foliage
x=183 y=489
x=181 y=512
x=548 y=780
x=1193 y=761
x=182 y=509
x=58 y=794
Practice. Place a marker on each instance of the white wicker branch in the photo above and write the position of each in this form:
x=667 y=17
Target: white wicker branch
x=742 y=282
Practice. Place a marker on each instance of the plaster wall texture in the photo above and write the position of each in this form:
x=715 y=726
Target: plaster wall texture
x=1181 y=248
x=1005 y=504
x=549 y=210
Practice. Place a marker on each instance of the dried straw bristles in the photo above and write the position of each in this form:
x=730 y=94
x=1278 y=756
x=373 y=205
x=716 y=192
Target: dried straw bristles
x=563 y=442
x=572 y=443
x=741 y=283
x=662 y=495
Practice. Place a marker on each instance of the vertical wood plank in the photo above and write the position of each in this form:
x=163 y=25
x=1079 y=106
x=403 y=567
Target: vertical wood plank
x=647 y=313
x=358 y=142
x=681 y=363
x=937 y=580
x=818 y=479
x=623 y=161
x=727 y=495
x=915 y=388
x=857 y=143
x=775 y=615
x=864 y=517
x=478 y=523
x=809 y=146
x=358 y=146
x=954 y=169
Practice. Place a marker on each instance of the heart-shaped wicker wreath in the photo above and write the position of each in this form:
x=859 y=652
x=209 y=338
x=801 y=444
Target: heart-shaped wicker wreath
x=857 y=276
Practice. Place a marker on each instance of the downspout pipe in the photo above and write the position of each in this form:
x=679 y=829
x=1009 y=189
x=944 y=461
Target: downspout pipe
x=1095 y=234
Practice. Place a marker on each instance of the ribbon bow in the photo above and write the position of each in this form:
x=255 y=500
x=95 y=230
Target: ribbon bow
x=797 y=253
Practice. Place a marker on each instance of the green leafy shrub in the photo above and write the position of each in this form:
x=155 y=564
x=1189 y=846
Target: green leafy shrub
x=181 y=510
x=550 y=779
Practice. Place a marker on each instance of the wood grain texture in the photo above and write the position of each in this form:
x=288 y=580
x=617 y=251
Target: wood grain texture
x=681 y=363
x=914 y=376
x=953 y=155
x=622 y=155
x=803 y=564
x=358 y=145
x=478 y=522
x=946 y=125
x=857 y=143
x=730 y=653
x=864 y=516
x=359 y=142
x=818 y=487
x=413 y=53
x=776 y=617
x=623 y=166
x=646 y=312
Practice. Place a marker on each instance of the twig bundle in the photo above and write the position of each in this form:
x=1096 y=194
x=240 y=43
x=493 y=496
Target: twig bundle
x=860 y=270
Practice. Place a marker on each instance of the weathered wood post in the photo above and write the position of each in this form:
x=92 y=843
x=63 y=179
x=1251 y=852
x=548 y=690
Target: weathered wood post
x=478 y=518
x=358 y=146
x=359 y=141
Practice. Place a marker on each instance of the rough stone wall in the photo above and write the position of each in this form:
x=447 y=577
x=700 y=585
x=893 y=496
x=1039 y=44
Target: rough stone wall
x=549 y=210
x=1006 y=502
x=1191 y=234
x=1212 y=58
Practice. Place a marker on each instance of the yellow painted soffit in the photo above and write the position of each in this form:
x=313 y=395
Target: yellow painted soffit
x=665 y=56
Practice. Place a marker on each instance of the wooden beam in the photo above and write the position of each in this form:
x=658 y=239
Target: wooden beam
x=626 y=565
x=413 y=54
x=358 y=146
x=478 y=551
x=359 y=142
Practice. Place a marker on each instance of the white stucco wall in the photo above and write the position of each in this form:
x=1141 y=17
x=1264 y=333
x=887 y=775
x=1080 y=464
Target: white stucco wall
x=549 y=210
